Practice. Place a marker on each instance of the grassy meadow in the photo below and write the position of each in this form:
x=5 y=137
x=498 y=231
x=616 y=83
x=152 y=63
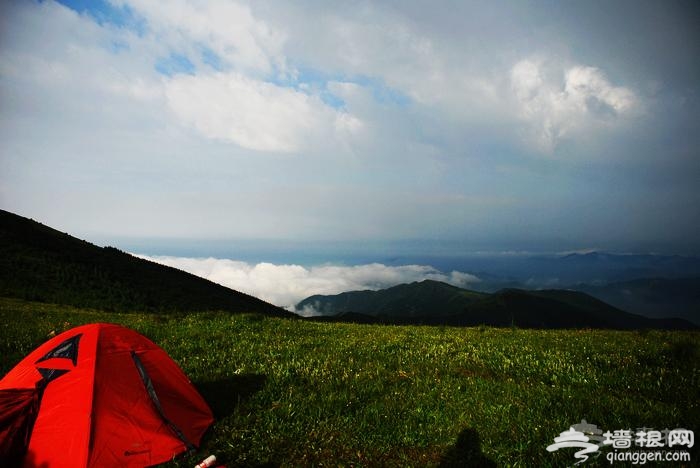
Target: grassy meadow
x=288 y=392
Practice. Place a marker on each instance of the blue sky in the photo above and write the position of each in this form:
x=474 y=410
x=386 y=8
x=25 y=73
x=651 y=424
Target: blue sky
x=484 y=125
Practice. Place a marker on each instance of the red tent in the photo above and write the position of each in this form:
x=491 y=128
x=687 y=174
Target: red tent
x=106 y=396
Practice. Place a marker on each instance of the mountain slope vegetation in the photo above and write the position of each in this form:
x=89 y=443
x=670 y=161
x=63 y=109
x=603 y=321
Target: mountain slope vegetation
x=42 y=264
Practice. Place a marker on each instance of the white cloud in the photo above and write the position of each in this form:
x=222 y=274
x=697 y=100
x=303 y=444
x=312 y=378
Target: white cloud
x=531 y=103
x=231 y=94
x=227 y=28
x=233 y=106
x=287 y=285
x=74 y=54
x=253 y=114
x=526 y=79
x=590 y=90
x=245 y=102
x=382 y=44
x=556 y=105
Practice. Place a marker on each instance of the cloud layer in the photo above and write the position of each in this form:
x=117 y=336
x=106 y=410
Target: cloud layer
x=481 y=122
x=287 y=285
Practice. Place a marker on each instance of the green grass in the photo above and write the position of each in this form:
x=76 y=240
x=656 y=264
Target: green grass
x=296 y=393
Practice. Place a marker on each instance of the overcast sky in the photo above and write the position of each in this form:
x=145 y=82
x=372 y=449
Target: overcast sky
x=551 y=125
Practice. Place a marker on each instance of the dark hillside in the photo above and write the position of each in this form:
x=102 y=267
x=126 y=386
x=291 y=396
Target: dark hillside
x=556 y=309
x=435 y=303
x=42 y=264
x=403 y=300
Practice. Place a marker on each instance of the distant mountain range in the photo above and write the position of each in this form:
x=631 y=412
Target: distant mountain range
x=42 y=264
x=435 y=303
x=652 y=285
x=652 y=297
x=531 y=270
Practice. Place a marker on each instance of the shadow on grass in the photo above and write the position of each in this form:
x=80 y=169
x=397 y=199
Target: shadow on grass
x=466 y=452
x=223 y=396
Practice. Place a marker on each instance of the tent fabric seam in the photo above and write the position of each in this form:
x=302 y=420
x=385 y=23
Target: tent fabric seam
x=146 y=379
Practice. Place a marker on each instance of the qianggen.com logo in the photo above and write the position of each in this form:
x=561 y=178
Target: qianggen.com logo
x=626 y=445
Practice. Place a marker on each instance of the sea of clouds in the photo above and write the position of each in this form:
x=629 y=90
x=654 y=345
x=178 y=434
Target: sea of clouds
x=287 y=285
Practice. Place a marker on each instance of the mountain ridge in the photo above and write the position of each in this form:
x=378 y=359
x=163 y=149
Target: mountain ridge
x=42 y=264
x=444 y=304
